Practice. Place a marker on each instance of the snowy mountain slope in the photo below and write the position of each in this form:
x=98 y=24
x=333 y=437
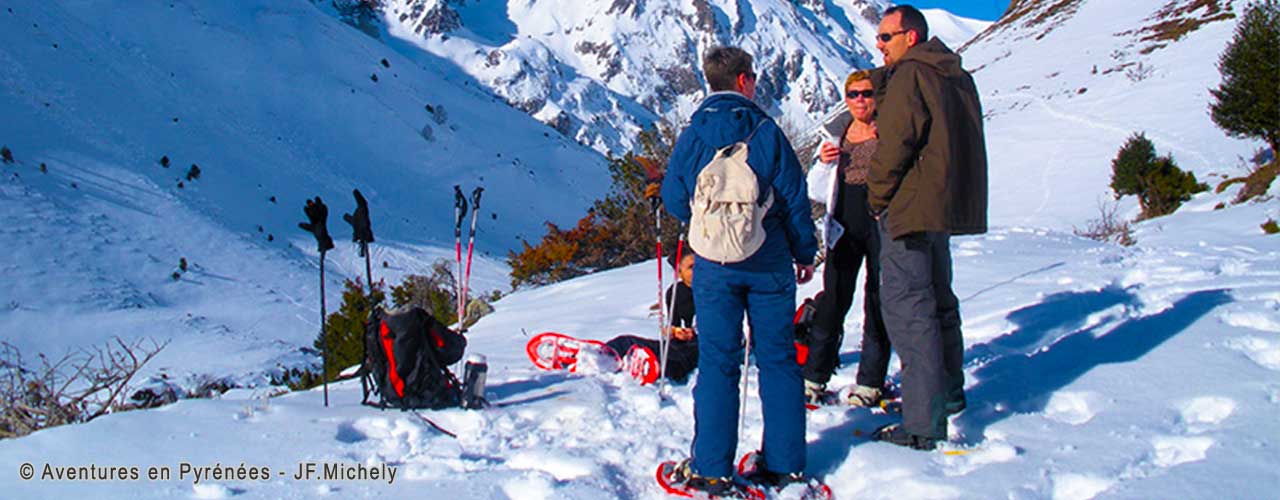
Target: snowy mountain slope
x=275 y=102
x=1065 y=83
x=953 y=30
x=600 y=70
x=1094 y=371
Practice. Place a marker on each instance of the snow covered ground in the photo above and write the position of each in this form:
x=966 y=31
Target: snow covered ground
x=1094 y=370
x=1144 y=372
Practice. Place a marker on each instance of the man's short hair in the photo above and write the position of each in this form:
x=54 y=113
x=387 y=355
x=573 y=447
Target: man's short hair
x=722 y=65
x=912 y=20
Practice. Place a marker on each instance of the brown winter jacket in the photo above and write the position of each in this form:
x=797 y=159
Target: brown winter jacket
x=930 y=171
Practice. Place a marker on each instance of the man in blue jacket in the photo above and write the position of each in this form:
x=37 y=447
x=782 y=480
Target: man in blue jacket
x=763 y=286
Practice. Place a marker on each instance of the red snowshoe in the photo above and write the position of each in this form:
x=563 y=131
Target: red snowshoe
x=556 y=351
x=642 y=364
x=673 y=477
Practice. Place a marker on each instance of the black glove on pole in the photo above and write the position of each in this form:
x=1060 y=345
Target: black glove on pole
x=362 y=233
x=317 y=225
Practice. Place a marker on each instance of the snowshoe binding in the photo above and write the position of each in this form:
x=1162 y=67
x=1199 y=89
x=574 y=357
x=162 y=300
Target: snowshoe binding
x=678 y=479
x=881 y=401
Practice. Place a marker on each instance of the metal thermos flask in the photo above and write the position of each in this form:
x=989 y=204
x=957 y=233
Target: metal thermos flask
x=473 y=379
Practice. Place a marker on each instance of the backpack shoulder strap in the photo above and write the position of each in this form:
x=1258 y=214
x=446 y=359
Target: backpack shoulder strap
x=754 y=130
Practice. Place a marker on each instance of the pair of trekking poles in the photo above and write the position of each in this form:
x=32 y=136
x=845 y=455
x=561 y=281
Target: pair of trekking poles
x=462 y=282
x=362 y=233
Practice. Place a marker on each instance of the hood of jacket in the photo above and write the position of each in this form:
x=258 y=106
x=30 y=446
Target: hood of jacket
x=937 y=55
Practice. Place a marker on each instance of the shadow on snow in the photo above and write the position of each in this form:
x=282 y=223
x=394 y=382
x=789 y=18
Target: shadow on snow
x=1021 y=380
x=1050 y=349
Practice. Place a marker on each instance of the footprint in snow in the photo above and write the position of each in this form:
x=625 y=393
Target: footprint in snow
x=961 y=461
x=1079 y=486
x=213 y=491
x=1167 y=452
x=1074 y=408
x=1263 y=351
x=561 y=466
x=1257 y=320
x=1205 y=413
x=1170 y=451
x=530 y=486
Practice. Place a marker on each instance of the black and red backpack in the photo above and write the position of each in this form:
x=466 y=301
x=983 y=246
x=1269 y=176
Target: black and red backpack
x=803 y=324
x=407 y=358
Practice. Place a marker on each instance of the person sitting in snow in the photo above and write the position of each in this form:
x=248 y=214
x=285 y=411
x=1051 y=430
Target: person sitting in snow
x=682 y=354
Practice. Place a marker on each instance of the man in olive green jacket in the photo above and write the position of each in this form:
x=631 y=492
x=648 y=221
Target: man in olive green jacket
x=928 y=181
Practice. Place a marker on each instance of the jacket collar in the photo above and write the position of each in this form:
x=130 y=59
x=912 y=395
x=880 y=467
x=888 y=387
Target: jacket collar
x=728 y=99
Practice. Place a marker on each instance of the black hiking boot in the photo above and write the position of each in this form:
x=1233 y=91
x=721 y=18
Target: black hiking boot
x=715 y=487
x=775 y=480
x=754 y=470
x=895 y=434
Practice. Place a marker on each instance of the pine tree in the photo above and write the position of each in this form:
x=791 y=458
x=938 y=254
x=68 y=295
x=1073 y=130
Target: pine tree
x=1156 y=180
x=1247 y=102
x=345 y=328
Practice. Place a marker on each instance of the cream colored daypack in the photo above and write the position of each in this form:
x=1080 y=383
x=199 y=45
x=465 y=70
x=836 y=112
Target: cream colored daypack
x=727 y=224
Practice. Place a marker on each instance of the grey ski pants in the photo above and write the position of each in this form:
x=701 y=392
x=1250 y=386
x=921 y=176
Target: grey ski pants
x=922 y=316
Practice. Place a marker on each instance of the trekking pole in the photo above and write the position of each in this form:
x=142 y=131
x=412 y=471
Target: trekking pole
x=655 y=203
x=324 y=337
x=471 y=241
x=742 y=393
x=654 y=175
x=459 y=213
x=317 y=225
x=368 y=268
x=671 y=307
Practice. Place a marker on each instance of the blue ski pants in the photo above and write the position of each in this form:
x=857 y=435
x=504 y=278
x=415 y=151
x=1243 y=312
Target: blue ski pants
x=768 y=298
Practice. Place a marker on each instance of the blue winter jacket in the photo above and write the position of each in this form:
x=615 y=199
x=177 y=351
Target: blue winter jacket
x=723 y=119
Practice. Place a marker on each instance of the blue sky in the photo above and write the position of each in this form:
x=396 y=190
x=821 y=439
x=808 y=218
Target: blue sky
x=986 y=10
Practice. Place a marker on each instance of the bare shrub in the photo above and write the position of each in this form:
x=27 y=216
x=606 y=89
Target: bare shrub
x=1139 y=72
x=79 y=387
x=1108 y=226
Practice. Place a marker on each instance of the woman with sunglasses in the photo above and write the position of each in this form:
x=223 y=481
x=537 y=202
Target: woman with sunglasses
x=839 y=181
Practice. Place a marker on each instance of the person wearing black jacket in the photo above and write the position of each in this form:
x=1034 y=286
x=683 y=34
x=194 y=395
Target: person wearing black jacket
x=683 y=351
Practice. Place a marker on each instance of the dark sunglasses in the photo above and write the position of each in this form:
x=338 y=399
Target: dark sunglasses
x=854 y=94
x=885 y=37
